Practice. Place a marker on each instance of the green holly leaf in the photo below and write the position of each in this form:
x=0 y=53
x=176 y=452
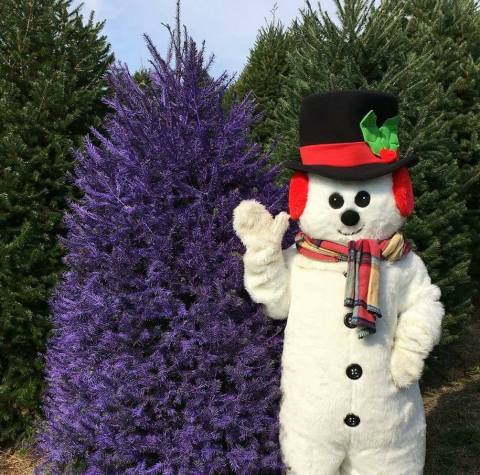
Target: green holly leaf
x=389 y=131
x=378 y=138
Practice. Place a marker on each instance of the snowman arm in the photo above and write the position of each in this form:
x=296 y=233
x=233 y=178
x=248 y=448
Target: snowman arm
x=419 y=324
x=266 y=276
x=267 y=279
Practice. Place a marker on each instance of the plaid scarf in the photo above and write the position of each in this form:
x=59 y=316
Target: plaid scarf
x=363 y=274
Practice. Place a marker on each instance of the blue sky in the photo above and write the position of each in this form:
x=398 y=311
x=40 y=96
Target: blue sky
x=229 y=27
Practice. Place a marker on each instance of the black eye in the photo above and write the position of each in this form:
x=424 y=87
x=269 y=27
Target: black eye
x=362 y=199
x=336 y=200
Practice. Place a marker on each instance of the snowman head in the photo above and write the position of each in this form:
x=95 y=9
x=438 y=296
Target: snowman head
x=351 y=182
x=343 y=211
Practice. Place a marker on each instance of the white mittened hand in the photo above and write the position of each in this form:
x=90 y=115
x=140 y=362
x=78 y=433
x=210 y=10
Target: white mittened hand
x=257 y=228
x=406 y=367
x=266 y=276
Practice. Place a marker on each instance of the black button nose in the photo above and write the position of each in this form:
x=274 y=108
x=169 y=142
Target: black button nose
x=350 y=217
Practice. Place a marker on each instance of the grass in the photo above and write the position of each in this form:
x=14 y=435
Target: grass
x=452 y=405
x=453 y=428
x=16 y=463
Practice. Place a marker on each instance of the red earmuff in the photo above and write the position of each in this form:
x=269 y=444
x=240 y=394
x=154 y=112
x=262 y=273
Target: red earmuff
x=297 y=194
x=403 y=191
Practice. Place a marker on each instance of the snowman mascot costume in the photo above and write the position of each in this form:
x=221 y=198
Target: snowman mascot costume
x=362 y=312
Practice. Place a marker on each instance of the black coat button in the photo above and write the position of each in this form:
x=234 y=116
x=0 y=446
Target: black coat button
x=354 y=371
x=351 y=420
x=348 y=321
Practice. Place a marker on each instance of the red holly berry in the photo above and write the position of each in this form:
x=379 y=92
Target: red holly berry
x=388 y=155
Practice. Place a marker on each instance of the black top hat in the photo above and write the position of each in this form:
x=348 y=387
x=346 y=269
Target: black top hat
x=349 y=135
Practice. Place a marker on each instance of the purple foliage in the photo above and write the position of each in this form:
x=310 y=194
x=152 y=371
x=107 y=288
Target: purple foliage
x=159 y=363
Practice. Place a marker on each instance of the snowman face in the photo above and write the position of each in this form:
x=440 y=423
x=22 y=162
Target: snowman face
x=343 y=211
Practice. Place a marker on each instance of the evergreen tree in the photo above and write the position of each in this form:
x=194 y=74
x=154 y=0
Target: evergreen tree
x=454 y=42
x=51 y=68
x=159 y=362
x=263 y=76
x=141 y=77
x=370 y=48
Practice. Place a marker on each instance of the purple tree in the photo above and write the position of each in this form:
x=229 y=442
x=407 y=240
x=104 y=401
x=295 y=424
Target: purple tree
x=159 y=363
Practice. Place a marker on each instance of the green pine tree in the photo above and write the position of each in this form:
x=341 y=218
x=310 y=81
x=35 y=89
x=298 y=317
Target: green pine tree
x=141 y=77
x=370 y=47
x=52 y=68
x=263 y=76
x=454 y=41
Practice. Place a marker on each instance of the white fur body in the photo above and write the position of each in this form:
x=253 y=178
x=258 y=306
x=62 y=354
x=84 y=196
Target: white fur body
x=317 y=394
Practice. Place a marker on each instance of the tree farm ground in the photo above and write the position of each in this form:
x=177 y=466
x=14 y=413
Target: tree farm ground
x=452 y=404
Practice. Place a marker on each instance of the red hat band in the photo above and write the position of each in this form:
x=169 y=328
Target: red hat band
x=349 y=154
